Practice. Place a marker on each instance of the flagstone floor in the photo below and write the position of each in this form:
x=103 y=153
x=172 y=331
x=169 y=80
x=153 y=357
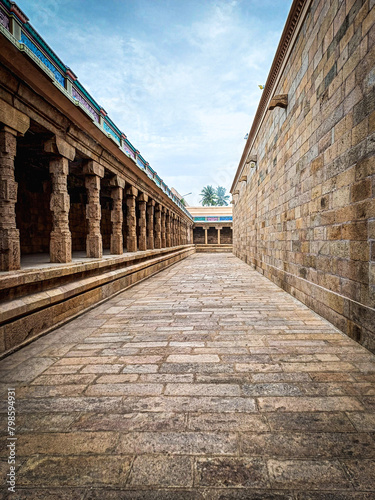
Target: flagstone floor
x=205 y=381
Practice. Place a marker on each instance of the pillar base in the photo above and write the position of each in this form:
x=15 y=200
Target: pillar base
x=116 y=244
x=10 y=254
x=60 y=247
x=142 y=244
x=94 y=246
x=131 y=244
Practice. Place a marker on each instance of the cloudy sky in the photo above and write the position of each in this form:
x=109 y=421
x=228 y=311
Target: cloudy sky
x=178 y=77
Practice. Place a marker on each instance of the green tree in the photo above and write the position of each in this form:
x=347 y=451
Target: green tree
x=208 y=194
x=221 y=197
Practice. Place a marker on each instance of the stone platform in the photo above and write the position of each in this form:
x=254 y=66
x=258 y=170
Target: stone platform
x=214 y=248
x=43 y=294
x=206 y=381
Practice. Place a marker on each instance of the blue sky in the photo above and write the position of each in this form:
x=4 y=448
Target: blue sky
x=179 y=77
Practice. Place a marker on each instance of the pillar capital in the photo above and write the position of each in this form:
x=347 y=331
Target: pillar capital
x=59 y=147
x=143 y=197
x=117 y=181
x=92 y=167
x=151 y=203
x=14 y=119
x=131 y=191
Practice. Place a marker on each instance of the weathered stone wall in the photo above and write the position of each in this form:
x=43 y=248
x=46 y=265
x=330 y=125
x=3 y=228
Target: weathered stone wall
x=33 y=213
x=305 y=216
x=212 y=235
x=198 y=235
x=226 y=236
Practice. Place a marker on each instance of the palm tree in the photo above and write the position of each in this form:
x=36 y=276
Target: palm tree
x=221 y=197
x=208 y=194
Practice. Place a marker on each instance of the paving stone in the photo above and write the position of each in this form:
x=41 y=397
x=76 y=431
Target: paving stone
x=114 y=368
x=190 y=404
x=247 y=494
x=361 y=473
x=189 y=443
x=306 y=445
x=124 y=389
x=193 y=358
x=63 y=493
x=311 y=422
x=55 y=422
x=308 y=474
x=71 y=443
x=227 y=422
x=74 y=471
x=63 y=379
x=309 y=404
x=130 y=422
x=231 y=472
x=271 y=390
x=202 y=390
x=154 y=494
x=159 y=470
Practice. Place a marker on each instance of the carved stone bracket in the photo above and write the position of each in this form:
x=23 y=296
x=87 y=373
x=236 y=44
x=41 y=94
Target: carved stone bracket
x=280 y=101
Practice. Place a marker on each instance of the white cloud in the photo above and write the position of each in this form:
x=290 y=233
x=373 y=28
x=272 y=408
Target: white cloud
x=185 y=99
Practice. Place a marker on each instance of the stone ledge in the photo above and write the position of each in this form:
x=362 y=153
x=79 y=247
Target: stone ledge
x=27 y=318
x=352 y=318
x=214 y=248
x=12 y=279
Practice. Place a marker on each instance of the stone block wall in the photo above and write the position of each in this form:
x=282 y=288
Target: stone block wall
x=226 y=236
x=305 y=215
x=33 y=213
x=198 y=235
x=212 y=236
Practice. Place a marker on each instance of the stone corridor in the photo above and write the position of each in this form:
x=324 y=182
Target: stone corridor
x=205 y=381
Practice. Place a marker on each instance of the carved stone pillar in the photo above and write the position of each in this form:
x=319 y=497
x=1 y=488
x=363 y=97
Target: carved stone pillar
x=218 y=234
x=158 y=226
x=150 y=224
x=93 y=173
x=173 y=234
x=178 y=231
x=168 y=228
x=142 y=200
x=13 y=123
x=205 y=236
x=60 y=238
x=131 y=219
x=163 y=228
x=117 y=217
x=9 y=234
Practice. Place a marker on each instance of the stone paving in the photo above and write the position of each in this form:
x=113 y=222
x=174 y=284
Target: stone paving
x=205 y=381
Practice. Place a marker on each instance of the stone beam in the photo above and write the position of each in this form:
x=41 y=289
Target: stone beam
x=13 y=118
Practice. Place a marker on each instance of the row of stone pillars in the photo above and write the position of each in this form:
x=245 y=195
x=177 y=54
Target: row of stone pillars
x=206 y=234
x=158 y=226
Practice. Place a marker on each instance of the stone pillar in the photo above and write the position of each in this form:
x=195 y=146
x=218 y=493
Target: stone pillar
x=142 y=200
x=218 y=235
x=205 y=235
x=117 y=217
x=178 y=231
x=131 y=219
x=163 y=228
x=10 y=255
x=93 y=173
x=167 y=229
x=60 y=247
x=13 y=123
x=150 y=224
x=158 y=226
x=173 y=234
